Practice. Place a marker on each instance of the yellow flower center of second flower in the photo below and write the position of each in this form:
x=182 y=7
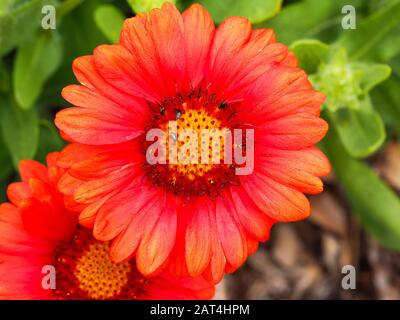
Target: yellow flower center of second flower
x=98 y=276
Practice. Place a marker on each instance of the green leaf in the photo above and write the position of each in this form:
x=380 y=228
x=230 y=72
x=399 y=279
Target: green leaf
x=307 y=19
x=310 y=53
x=395 y=65
x=146 y=5
x=80 y=35
x=361 y=131
x=66 y=6
x=388 y=47
x=376 y=205
x=6 y=4
x=20 y=130
x=50 y=140
x=35 y=62
x=255 y=10
x=109 y=19
x=386 y=99
x=367 y=38
x=26 y=20
x=6 y=167
x=4 y=79
x=7 y=23
x=371 y=74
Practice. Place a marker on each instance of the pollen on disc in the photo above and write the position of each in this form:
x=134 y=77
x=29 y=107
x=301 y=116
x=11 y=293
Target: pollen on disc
x=198 y=138
x=98 y=276
x=85 y=271
x=205 y=128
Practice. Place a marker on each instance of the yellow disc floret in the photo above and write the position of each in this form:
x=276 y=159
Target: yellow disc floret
x=205 y=128
x=98 y=276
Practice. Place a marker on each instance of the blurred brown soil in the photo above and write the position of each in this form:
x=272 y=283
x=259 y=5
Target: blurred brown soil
x=304 y=260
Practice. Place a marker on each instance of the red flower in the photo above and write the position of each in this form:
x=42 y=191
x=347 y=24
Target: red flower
x=194 y=218
x=36 y=231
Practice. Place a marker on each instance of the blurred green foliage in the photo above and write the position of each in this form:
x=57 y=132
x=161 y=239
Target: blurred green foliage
x=255 y=10
x=146 y=5
x=358 y=70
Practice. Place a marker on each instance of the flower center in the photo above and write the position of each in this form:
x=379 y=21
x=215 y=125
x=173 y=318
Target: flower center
x=202 y=126
x=85 y=271
x=98 y=276
x=196 y=127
